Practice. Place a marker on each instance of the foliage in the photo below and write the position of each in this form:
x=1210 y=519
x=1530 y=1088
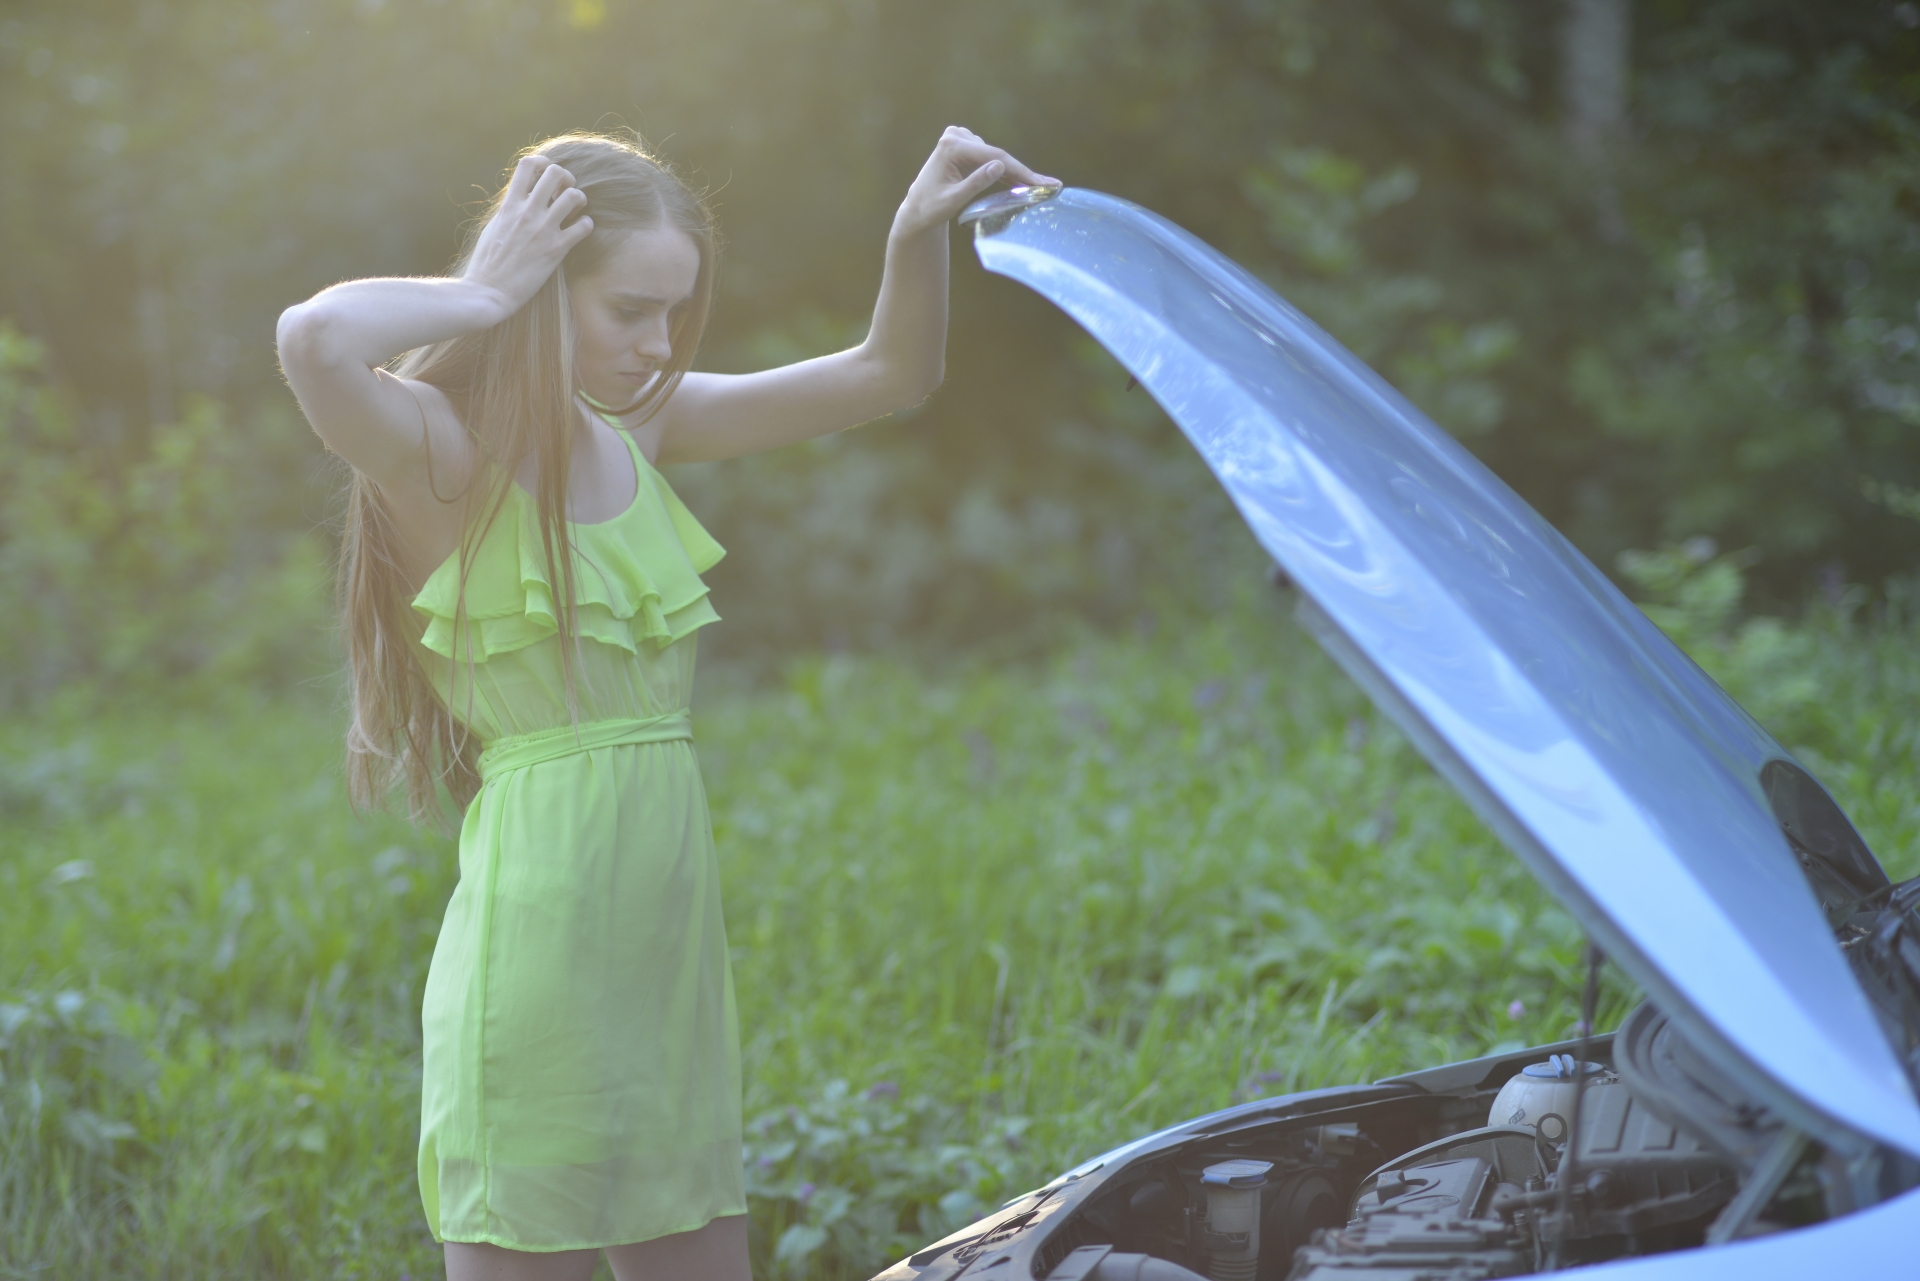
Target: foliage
x=850 y=1176
x=1730 y=353
x=992 y=909
x=1695 y=596
x=986 y=921
x=209 y=1005
x=1838 y=691
x=838 y=543
x=142 y=567
x=1769 y=385
x=63 y=1052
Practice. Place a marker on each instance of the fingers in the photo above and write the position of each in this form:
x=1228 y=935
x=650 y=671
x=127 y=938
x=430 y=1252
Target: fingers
x=1028 y=177
x=568 y=203
x=552 y=181
x=1019 y=173
x=545 y=188
x=526 y=173
x=966 y=145
x=980 y=179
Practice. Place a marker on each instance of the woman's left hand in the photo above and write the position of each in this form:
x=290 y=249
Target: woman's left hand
x=962 y=167
x=899 y=363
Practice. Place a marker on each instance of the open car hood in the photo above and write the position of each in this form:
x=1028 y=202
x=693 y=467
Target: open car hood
x=1628 y=781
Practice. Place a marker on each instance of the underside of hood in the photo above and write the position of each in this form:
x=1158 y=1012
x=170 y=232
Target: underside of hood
x=1628 y=781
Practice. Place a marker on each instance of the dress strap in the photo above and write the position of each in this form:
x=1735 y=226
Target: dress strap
x=632 y=446
x=517 y=751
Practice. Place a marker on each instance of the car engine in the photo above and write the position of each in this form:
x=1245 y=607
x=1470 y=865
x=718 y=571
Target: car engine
x=1646 y=1150
x=1506 y=1200
x=1635 y=1144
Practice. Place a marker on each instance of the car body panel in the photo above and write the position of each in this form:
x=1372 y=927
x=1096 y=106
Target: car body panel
x=1611 y=764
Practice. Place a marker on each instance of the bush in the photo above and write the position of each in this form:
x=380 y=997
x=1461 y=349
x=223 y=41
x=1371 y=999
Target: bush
x=67 y=1071
x=169 y=562
x=848 y=1177
x=868 y=540
x=1733 y=350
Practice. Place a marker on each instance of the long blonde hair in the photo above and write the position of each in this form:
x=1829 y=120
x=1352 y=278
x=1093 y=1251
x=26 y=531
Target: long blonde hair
x=513 y=387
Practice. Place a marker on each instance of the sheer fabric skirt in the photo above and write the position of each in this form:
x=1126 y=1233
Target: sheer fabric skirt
x=581 y=1061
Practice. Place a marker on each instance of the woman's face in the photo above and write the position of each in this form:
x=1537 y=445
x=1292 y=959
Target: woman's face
x=623 y=313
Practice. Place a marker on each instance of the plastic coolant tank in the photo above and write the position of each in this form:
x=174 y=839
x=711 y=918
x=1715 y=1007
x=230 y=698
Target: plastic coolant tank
x=1541 y=1090
x=1233 y=1217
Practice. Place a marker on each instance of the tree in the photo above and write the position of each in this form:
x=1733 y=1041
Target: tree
x=1595 y=37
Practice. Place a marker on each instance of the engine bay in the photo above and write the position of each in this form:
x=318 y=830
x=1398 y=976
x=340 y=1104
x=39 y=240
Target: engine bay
x=1635 y=1144
x=1641 y=1148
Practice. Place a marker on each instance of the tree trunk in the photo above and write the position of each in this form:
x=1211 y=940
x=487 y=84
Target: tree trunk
x=150 y=321
x=1594 y=39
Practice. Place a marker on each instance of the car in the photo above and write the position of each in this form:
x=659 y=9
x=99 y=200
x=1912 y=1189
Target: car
x=1754 y=1117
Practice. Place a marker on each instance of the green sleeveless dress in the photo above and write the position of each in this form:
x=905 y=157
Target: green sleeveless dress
x=580 y=1055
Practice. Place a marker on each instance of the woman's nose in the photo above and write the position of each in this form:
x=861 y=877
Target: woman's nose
x=656 y=343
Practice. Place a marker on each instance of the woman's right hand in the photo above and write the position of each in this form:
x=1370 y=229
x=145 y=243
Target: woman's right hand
x=529 y=235
x=332 y=347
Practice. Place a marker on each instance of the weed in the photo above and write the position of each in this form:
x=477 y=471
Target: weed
x=986 y=921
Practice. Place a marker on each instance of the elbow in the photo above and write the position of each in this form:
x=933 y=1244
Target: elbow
x=304 y=336
x=889 y=382
x=917 y=399
x=918 y=390
x=931 y=383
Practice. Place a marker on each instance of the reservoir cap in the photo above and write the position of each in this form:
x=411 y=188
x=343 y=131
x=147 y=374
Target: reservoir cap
x=1236 y=1174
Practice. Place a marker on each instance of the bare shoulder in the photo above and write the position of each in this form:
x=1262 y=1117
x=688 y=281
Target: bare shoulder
x=656 y=434
x=423 y=491
x=437 y=447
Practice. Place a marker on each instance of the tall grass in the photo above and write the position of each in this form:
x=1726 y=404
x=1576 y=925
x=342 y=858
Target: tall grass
x=986 y=920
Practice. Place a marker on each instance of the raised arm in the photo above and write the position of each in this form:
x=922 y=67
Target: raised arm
x=332 y=345
x=903 y=357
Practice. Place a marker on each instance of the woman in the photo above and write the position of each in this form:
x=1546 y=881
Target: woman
x=521 y=590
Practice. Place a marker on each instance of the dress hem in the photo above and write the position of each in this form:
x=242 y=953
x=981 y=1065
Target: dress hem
x=488 y=1238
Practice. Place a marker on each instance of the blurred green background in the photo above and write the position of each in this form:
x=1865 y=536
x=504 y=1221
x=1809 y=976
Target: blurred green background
x=1008 y=655
x=1683 y=307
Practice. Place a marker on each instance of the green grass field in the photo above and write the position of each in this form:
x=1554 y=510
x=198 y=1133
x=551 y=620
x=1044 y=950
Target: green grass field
x=986 y=919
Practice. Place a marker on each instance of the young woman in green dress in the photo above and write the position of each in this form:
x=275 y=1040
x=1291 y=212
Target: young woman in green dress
x=521 y=590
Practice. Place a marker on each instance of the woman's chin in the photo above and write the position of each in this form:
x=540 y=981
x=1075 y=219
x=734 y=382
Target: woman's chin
x=618 y=395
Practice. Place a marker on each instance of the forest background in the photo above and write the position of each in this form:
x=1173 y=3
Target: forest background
x=1657 y=263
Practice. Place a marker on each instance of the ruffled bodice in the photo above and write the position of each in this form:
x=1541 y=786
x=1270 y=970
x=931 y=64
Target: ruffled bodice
x=639 y=599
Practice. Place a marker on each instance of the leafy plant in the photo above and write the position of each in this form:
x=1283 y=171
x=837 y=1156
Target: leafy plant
x=66 y=1067
x=150 y=566
x=1731 y=350
x=1695 y=594
x=845 y=1177
x=1105 y=889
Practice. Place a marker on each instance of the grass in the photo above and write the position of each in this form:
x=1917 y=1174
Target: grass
x=986 y=920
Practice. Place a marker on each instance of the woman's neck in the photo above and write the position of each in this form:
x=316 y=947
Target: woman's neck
x=609 y=409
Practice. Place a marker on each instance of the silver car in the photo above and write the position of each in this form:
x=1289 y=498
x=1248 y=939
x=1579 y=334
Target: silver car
x=1756 y=1117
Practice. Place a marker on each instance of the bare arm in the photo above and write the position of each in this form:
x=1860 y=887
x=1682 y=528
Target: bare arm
x=903 y=357
x=332 y=344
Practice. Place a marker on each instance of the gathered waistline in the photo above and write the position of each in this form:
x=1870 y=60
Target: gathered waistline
x=517 y=751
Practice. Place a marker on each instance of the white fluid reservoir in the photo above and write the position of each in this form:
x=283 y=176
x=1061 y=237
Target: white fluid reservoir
x=1544 y=1090
x=1233 y=1218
